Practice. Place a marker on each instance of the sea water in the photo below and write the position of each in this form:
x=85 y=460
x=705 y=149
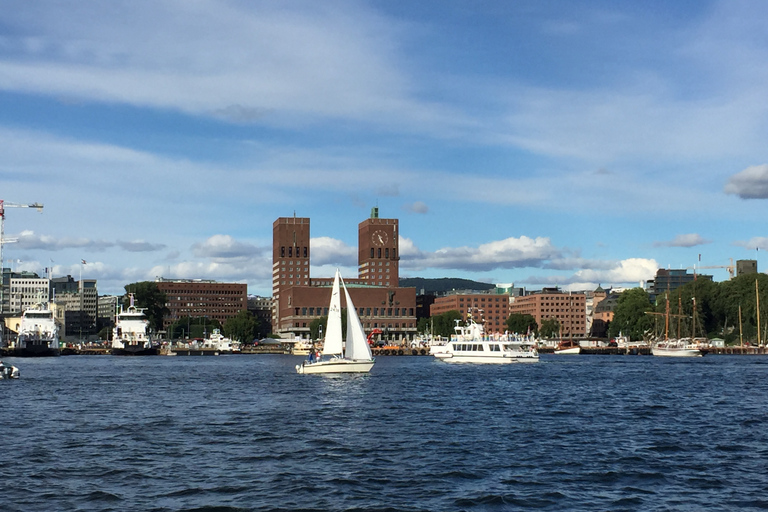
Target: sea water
x=244 y=432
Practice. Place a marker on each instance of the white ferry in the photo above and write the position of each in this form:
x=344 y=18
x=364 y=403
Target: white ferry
x=130 y=336
x=471 y=345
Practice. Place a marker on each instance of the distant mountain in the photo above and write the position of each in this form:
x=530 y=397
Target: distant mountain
x=443 y=284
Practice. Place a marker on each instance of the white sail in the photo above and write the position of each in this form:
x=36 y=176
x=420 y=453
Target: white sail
x=357 y=344
x=333 y=340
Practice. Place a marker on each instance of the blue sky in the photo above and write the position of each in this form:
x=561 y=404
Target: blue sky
x=538 y=143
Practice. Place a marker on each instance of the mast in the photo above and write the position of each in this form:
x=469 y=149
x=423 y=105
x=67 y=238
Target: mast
x=757 y=307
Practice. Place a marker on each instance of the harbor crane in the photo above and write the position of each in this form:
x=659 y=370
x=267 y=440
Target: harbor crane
x=3 y=206
x=731 y=269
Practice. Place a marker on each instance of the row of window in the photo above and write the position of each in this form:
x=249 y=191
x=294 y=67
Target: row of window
x=376 y=253
x=363 y=312
x=298 y=251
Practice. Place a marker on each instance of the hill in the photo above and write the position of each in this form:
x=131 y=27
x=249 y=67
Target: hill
x=443 y=284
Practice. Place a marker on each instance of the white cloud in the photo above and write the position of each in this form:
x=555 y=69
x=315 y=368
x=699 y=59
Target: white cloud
x=751 y=183
x=687 y=240
x=330 y=251
x=756 y=242
x=416 y=207
x=222 y=247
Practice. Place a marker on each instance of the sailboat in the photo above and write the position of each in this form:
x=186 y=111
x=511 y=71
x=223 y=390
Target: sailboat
x=356 y=356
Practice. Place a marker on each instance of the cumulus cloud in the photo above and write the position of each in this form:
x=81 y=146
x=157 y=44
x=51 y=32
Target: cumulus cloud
x=628 y=271
x=330 y=251
x=687 y=240
x=756 y=242
x=508 y=253
x=751 y=183
x=224 y=247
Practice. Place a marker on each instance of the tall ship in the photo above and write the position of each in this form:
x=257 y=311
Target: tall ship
x=38 y=333
x=130 y=336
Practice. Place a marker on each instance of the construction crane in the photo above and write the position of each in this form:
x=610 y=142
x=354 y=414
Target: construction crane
x=3 y=206
x=731 y=269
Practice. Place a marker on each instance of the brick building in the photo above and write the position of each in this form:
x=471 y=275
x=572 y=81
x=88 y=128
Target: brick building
x=569 y=309
x=487 y=308
x=299 y=298
x=202 y=298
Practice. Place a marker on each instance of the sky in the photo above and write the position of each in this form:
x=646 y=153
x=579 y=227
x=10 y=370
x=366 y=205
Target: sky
x=540 y=143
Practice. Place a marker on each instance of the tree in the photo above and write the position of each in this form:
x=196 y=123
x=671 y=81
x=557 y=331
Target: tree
x=629 y=316
x=550 y=328
x=147 y=296
x=242 y=327
x=521 y=324
x=444 y=324
x=193 y=327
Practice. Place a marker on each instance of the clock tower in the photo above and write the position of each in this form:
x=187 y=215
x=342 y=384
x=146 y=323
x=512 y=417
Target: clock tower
x=378 y=251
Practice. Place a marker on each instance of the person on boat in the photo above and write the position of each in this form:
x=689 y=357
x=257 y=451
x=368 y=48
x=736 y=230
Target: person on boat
x=311 y=356
x=318 y=356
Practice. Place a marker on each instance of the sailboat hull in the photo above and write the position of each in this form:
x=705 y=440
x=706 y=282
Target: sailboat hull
x=336 y=366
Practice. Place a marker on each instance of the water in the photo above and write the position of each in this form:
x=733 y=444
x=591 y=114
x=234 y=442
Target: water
x=237 y=433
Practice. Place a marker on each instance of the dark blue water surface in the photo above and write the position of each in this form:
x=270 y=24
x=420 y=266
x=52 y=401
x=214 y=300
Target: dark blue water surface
x=248 y=433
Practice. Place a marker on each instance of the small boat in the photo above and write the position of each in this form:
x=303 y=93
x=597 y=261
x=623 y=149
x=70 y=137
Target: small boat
x=130 y=336
x=675 y=348
x=302 y=347
x=356 y=356
x=8 y=371
x=471 y=345
x=568 y=347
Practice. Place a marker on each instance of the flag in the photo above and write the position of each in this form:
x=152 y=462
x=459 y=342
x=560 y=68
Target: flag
x=84 y=262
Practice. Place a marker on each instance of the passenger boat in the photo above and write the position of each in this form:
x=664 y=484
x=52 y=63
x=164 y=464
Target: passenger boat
x=130 y=336
x=355 y=356
x=471 y=345
x=38 y=333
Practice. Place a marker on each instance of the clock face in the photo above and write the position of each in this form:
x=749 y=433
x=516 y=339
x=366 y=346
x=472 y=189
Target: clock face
x=379 y=238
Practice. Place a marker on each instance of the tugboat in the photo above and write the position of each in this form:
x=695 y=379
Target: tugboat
x=130 y=337
x=38 y=333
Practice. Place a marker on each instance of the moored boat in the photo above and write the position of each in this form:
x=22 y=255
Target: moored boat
x=38 y=333
x=568 y=347
x=130 y=336
x=675 y=348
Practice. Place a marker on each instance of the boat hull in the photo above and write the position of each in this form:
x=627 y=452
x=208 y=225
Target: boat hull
x=458 y=358
x=676 y=352
x=568 y=351
x=138 y=350
x=335 y=366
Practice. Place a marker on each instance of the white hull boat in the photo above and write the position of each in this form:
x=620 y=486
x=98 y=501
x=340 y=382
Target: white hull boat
x=8 y=371
x=673 y=350
x=471 y=345
x=568 y=351
x=356 y=357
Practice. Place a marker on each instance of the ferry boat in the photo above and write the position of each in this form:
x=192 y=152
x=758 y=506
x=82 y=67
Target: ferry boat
x=675 y=348
x=471 y=345
x=38 y=333
x=130 y=336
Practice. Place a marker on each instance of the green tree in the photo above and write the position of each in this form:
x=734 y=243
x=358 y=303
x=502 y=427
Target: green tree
x=629 y=316
x=148 y=296
x=521 y=324
x=445 y=323
x=550 y=328
x=242 y=327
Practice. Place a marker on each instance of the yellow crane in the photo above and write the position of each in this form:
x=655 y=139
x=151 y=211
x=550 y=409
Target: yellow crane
x=731 y=269
x=3 y=206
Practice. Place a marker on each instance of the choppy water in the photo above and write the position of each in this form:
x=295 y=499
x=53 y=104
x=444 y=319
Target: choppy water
x=248 y=433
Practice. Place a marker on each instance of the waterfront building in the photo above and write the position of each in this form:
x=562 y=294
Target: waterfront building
x=197 y=298
x=746 y=267
x=672 y=279
x=489 y=308
x=76 y=307
x=261 y=308
x=26 y=290
x=299 y=298
x=569 y=309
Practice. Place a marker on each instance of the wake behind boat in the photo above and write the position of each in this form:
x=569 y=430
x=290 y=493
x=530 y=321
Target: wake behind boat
x=130 y=337
x=356 y=357
x=471 y=345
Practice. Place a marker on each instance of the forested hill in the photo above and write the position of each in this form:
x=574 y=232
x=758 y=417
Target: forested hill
x=443 y=284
